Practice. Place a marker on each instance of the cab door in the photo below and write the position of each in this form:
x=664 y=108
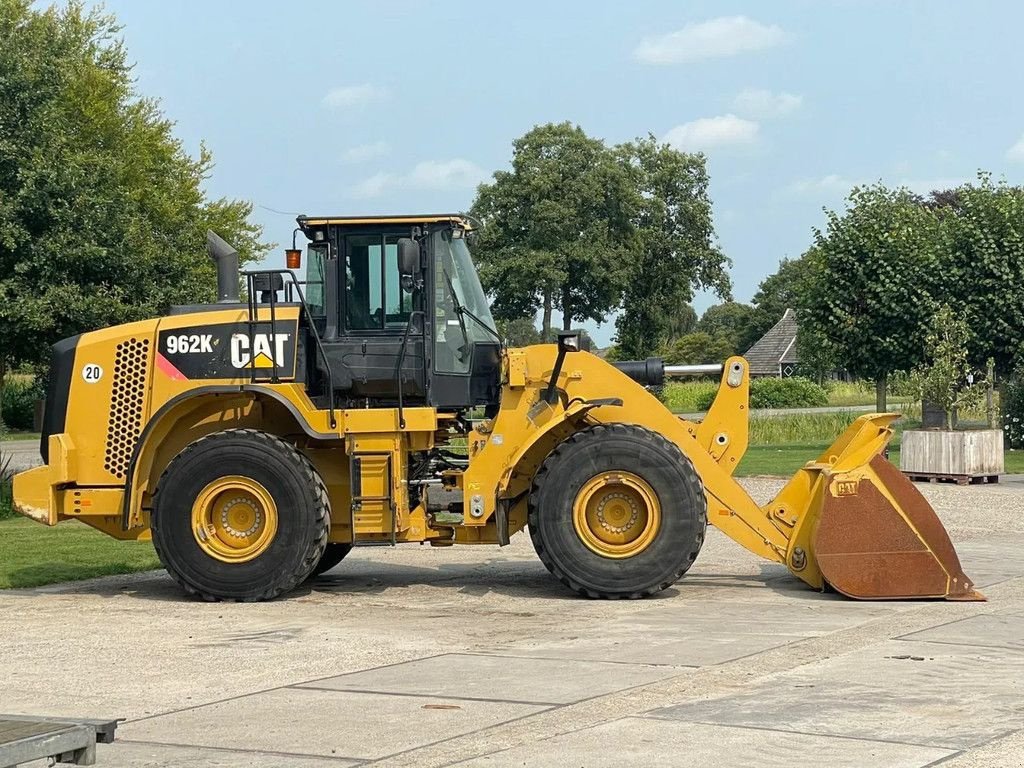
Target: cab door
x=374 y=314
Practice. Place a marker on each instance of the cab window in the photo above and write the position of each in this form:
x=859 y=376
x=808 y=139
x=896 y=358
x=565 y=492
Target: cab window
x=374 y=297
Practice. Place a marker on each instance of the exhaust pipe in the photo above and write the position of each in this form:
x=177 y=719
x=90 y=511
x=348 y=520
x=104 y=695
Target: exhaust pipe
x=226 y=259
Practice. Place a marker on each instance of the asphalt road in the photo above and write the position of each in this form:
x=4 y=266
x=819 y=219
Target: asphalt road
x=23 y=453
x=476 y=656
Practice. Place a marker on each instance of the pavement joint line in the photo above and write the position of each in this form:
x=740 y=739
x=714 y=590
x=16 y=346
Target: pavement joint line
x=665 y=719
x=272 y=689
x=236 y=750
x=496 y=655
x=483 y=729
x=953 y=642
x=981 y=754
x=707 y=682
x=445 y=696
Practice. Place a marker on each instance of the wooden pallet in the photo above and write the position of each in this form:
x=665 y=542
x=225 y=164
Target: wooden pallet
x=932 y=477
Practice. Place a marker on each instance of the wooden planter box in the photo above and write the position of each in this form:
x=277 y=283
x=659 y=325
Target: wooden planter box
x=969 y=455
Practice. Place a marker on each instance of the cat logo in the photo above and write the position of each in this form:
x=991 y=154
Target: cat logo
x=846 y=487
x=264 y=351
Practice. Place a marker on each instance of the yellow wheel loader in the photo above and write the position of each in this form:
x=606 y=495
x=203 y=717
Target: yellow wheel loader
x=258 y=440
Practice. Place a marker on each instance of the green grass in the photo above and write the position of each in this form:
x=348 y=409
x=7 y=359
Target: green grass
x=784 y=460
x=20 y=436
x=688 y=396
x=32 y=554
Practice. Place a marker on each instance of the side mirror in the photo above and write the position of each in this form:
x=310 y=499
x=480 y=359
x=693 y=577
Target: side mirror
x=408 y=256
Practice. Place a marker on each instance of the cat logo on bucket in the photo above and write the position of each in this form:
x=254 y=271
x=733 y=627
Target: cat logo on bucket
x=263 y=350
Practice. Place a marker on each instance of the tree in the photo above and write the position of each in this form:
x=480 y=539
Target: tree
x=102 y=213
x=520 y=332
x=583 y=228
x=674 y=253
x=680 y=320
x=696 y=349
x=983 y=266
x=777 y=293
x=556 y=228
x=945 y=376
x=733 y=323
x=873 y=278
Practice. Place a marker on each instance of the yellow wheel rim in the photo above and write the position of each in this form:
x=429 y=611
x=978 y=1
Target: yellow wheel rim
x=234 y=519
x=617 y=514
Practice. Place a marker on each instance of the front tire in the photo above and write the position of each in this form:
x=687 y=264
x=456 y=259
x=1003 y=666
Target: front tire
x=240 y=515
x=617 y=511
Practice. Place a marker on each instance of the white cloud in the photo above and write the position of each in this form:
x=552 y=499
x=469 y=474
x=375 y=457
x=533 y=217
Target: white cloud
x=448 y=174
x=712 y=132
x=350 y=96
x=374 y=186
x=364 y=152
x=429 y=174
x=763 y=104
x=831 y=184
x=835 y=186
x=1016 y=152
x=715 y=38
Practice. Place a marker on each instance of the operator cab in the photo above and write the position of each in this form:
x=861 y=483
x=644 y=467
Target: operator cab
x=400 y=311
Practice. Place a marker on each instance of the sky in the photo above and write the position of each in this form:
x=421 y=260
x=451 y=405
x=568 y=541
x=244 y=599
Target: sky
x=404 y=106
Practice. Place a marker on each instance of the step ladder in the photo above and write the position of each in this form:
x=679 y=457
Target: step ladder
x=373 y=470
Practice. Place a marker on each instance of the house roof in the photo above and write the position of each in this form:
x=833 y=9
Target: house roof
x=775 y=348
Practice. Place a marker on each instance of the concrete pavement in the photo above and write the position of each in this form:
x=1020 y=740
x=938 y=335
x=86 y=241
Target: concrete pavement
x=428 y=657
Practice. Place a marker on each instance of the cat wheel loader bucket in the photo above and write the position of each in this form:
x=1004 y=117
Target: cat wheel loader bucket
x=866 y=531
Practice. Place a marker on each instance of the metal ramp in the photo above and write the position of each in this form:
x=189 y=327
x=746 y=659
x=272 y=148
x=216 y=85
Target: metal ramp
x=61 y=740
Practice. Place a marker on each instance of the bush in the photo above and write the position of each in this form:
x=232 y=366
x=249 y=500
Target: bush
x=689 y=396
x=697 y=396
x=6 y=476
x=1013 y=410
x=795 y=392
x=19 y=402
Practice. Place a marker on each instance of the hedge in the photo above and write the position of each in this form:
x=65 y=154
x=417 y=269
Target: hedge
x=19 y=403
x=794 y=392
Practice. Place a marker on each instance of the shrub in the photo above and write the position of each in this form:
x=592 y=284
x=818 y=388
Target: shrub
x=19 y=402
x=6 y=476
x=697 y=396
x=795 y=392
x=689 y=396
x=1013 y=410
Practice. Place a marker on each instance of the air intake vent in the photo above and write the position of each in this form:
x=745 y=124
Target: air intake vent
x=131 y=367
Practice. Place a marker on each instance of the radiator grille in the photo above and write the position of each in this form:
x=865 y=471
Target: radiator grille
x=127 y=398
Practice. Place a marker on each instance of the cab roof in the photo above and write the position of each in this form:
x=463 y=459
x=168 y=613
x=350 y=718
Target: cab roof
x=457 y=219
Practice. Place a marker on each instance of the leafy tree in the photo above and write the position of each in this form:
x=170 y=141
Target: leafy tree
x=674 y=252
x=983 y=266
x=520 y=332
x=731 y=322
x=556 y=228
x=679 y=321
x=583 y=228
x=696 y=349
x=944 y=377
x=870 y=292
x=102 y=212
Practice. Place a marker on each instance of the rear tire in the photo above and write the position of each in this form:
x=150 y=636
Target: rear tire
x=333 y=554
x=617 y=511
x=240 y=515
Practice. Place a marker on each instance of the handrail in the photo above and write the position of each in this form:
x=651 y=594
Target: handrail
x=401 y=362
x=253 y=309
